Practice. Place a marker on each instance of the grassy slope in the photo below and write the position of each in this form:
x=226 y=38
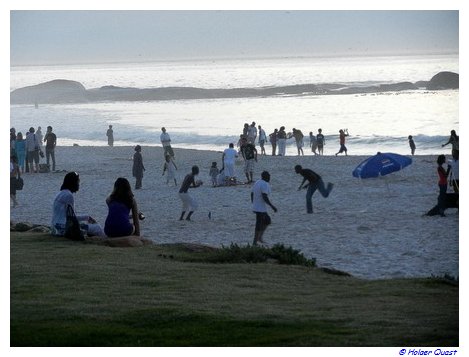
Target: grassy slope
x=66 y=293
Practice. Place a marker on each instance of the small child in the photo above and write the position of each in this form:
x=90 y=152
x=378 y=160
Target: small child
x=170 y=166
x=214 y=173
x=412 y=145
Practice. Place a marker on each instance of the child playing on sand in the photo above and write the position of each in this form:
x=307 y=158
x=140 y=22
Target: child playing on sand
x=214 y=173
x=170 y=166
x=342 y=135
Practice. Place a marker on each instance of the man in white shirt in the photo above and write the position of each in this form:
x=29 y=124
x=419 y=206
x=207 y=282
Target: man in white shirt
x=260 y=199
x=166 y=142
x=229 y=156
x=252 y=133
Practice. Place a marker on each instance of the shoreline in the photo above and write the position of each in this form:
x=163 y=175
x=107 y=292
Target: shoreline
x=361 y=228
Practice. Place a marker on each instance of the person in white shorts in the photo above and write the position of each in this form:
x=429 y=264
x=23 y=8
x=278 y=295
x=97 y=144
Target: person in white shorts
x=188 y=203
x=260 y=199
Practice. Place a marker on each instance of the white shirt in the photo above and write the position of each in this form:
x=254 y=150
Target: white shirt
x=258 y=203
x=165 y=139
x=262 y=135
x=230 y=155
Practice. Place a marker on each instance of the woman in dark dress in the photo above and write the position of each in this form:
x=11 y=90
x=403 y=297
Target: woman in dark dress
x=138 y=168
x=120 y=202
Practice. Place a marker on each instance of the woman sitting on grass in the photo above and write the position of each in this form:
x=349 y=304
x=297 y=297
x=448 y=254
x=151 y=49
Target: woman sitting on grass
x=120 y=202
x=63 y=199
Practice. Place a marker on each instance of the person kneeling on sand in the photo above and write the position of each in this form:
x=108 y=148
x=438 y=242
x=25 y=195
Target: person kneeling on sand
x=120 y=202
x=63 y=199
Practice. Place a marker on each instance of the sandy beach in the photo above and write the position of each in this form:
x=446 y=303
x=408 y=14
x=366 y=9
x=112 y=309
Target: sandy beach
x=370 y=228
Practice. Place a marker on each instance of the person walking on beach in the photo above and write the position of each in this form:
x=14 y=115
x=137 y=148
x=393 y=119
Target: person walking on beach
x=249 y=153
x=166 y=142
x=110 y=136
x=137 y=167
x=342 y=135
x=262 y=139
x=228 y=158
x=321 y=141
x=51 y=141
x=454 y=141
x=315 y=182
x=412 y=145
x=170 y=167
x=121 y=202
x=260 y=199
x=273 y=141
x=298 y=135
x=188 y=203
x=282 y=141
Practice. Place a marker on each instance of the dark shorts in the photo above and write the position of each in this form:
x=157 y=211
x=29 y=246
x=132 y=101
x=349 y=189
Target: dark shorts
x=342 y=148
x=262 y=220
x=33 y=156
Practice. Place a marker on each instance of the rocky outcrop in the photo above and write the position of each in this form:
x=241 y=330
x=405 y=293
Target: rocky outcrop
x=64 y=91
x=444 y=80
x=56 y=91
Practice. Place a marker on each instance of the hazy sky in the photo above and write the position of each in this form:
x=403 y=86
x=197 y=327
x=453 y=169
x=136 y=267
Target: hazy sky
x=46 y=37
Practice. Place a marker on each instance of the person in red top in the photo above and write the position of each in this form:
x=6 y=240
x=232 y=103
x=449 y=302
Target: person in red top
x=342 y=135
x=442 y=183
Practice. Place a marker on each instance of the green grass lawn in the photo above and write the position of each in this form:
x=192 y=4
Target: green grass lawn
x=66 y=293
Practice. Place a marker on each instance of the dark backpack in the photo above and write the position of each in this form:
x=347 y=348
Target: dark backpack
x=72 y=226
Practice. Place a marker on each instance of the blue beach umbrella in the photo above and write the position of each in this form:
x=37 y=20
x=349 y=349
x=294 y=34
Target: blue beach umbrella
x=381 y=164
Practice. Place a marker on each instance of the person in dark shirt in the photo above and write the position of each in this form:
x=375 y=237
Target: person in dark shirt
x=314 y=183
x=51 y=141
x=188 y=203
x=249 y=153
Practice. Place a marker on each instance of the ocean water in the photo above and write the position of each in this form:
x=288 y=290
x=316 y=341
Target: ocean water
x=378 y=121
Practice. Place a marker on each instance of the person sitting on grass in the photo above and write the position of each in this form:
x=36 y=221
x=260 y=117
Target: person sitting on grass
x=63 y=199
x=120 y=202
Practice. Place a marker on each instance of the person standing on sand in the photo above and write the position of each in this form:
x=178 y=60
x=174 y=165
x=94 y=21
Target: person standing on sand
x=32 y=148
x=282 y=141
x=315 y=182
x=298 y=135
x=14 y=176
x=260 y=199
x=442 y=184
x=412 y=145
x=228 y=158
x=252 y=133
x=138 y=168
x=321 y=141
x=454 y=141
x=170 y=167
x=342 y=135
x=313 y=144
x=249 y=153
x=188 y=203
x=166 y=142
x=20 y=150
x=51 y=141
x=110 y=136
x=262 y=139
x=273 y=141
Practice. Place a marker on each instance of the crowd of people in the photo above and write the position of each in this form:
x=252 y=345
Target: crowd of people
x=123 y=215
